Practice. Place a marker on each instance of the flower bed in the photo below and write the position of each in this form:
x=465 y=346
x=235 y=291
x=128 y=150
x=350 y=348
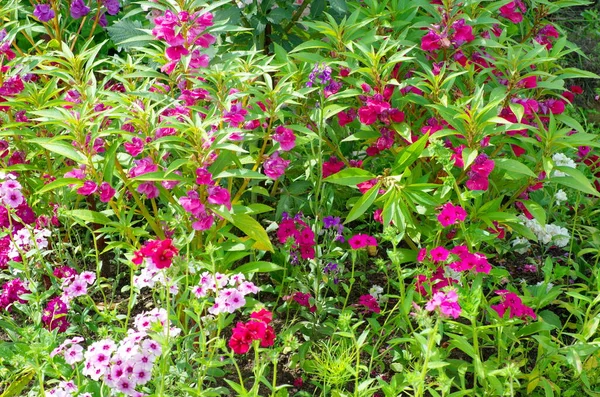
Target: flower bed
x=367 y=198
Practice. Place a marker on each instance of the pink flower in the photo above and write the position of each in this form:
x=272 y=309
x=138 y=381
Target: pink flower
x=235 y=116
x=446 y=302
x=463 y=33
x=510 y=301
x=422 y=254
x=432 y=41
x=439 y=254
x=149 y=189
x=511 y=12
x=274 y=167
x=332 y=166
x=106 y=192
x=285 y=137
x=450 y=214
x=219 y=196
x=370 y=303
x=89 y=187
x=135 y=147
x=362 y=240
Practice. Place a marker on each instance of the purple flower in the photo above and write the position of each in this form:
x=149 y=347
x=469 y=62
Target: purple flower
x=112 y=6
x=330 y=221
x=79 y=9
x=102 y=20
x=43 y=12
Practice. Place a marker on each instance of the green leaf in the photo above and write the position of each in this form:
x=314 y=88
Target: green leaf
x=536 y=210
x=241 y=173
x=254 y=230
x=534 y=329
x=514 y=167
x=89 y=216
x=350 y=177
x=62 y=148
x=17 y=386
x=59 y=183
x=363 y=203
x=410 y=154
x=258 y=267
x=575 y=180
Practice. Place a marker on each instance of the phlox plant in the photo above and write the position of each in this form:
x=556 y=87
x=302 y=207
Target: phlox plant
x=294 y=198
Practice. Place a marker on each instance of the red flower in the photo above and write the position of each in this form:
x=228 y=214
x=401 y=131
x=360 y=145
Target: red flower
x=263 y=315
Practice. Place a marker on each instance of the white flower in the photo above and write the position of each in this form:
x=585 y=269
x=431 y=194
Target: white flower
x=561 y=160
x=560 y=196
x=523 y=243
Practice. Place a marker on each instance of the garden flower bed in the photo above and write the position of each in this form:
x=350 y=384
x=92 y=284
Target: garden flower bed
x=295 y=198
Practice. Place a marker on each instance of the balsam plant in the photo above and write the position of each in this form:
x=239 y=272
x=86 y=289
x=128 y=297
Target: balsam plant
x=294 y=198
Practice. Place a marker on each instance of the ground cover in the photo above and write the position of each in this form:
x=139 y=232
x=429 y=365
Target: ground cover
x=297 y=198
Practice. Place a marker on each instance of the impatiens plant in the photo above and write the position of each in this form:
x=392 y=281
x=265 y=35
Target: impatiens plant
x=293 y=198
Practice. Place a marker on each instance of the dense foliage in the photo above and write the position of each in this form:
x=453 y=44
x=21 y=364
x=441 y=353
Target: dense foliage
x=366 y=198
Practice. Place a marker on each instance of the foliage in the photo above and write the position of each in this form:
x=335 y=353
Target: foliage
x=378 y=197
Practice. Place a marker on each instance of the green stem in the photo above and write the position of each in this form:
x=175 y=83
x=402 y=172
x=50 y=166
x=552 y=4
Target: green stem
x=430 y=343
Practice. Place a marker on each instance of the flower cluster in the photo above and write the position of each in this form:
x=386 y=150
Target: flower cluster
x=334 y=223
x=562 y=160
x=480 y=171
x=171 y=28
x=76 y=285
x=301 y=235
x=359 y=241
x=54 y=315
x=446 y=302
x=438 y=280
x=285 y=137
x=511 y=302
x=229 y=291
x=274 y=166
x=303 y=299
x=202 y=218
x=369 y=302
x=125 y=365
x=157 y=253
x=11 y=293
x=450 y=214
x=257 y=329
x=321 y=74
x=66 y=389
x=549 y=233
x=454 y=35
x=513 y=11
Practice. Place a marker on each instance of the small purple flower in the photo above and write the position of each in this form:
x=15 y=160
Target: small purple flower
x=43 y=12
x=112 y=6
x=321 y=72
x=330 y=221
x=102 y=20
x=79 y=9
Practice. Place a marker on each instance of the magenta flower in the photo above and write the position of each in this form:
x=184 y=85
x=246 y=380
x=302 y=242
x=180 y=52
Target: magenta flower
x=106 y=192
x=78 y=9
x=446 y=302
x=431 y=41
x=370 y=303
x=149 y=189
x=439 y=254
x=236 y=115
x=219 y=196
x=332 y=166
x=43 y=12
x=511 y=10
x=450 y=214
x=510 y=301
x=143 y=166
x=135 y=147
x=478 y=174
x=362 y=240
x=89 y=187
x=463 y=33
x=285 y=137
x=274 y=167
